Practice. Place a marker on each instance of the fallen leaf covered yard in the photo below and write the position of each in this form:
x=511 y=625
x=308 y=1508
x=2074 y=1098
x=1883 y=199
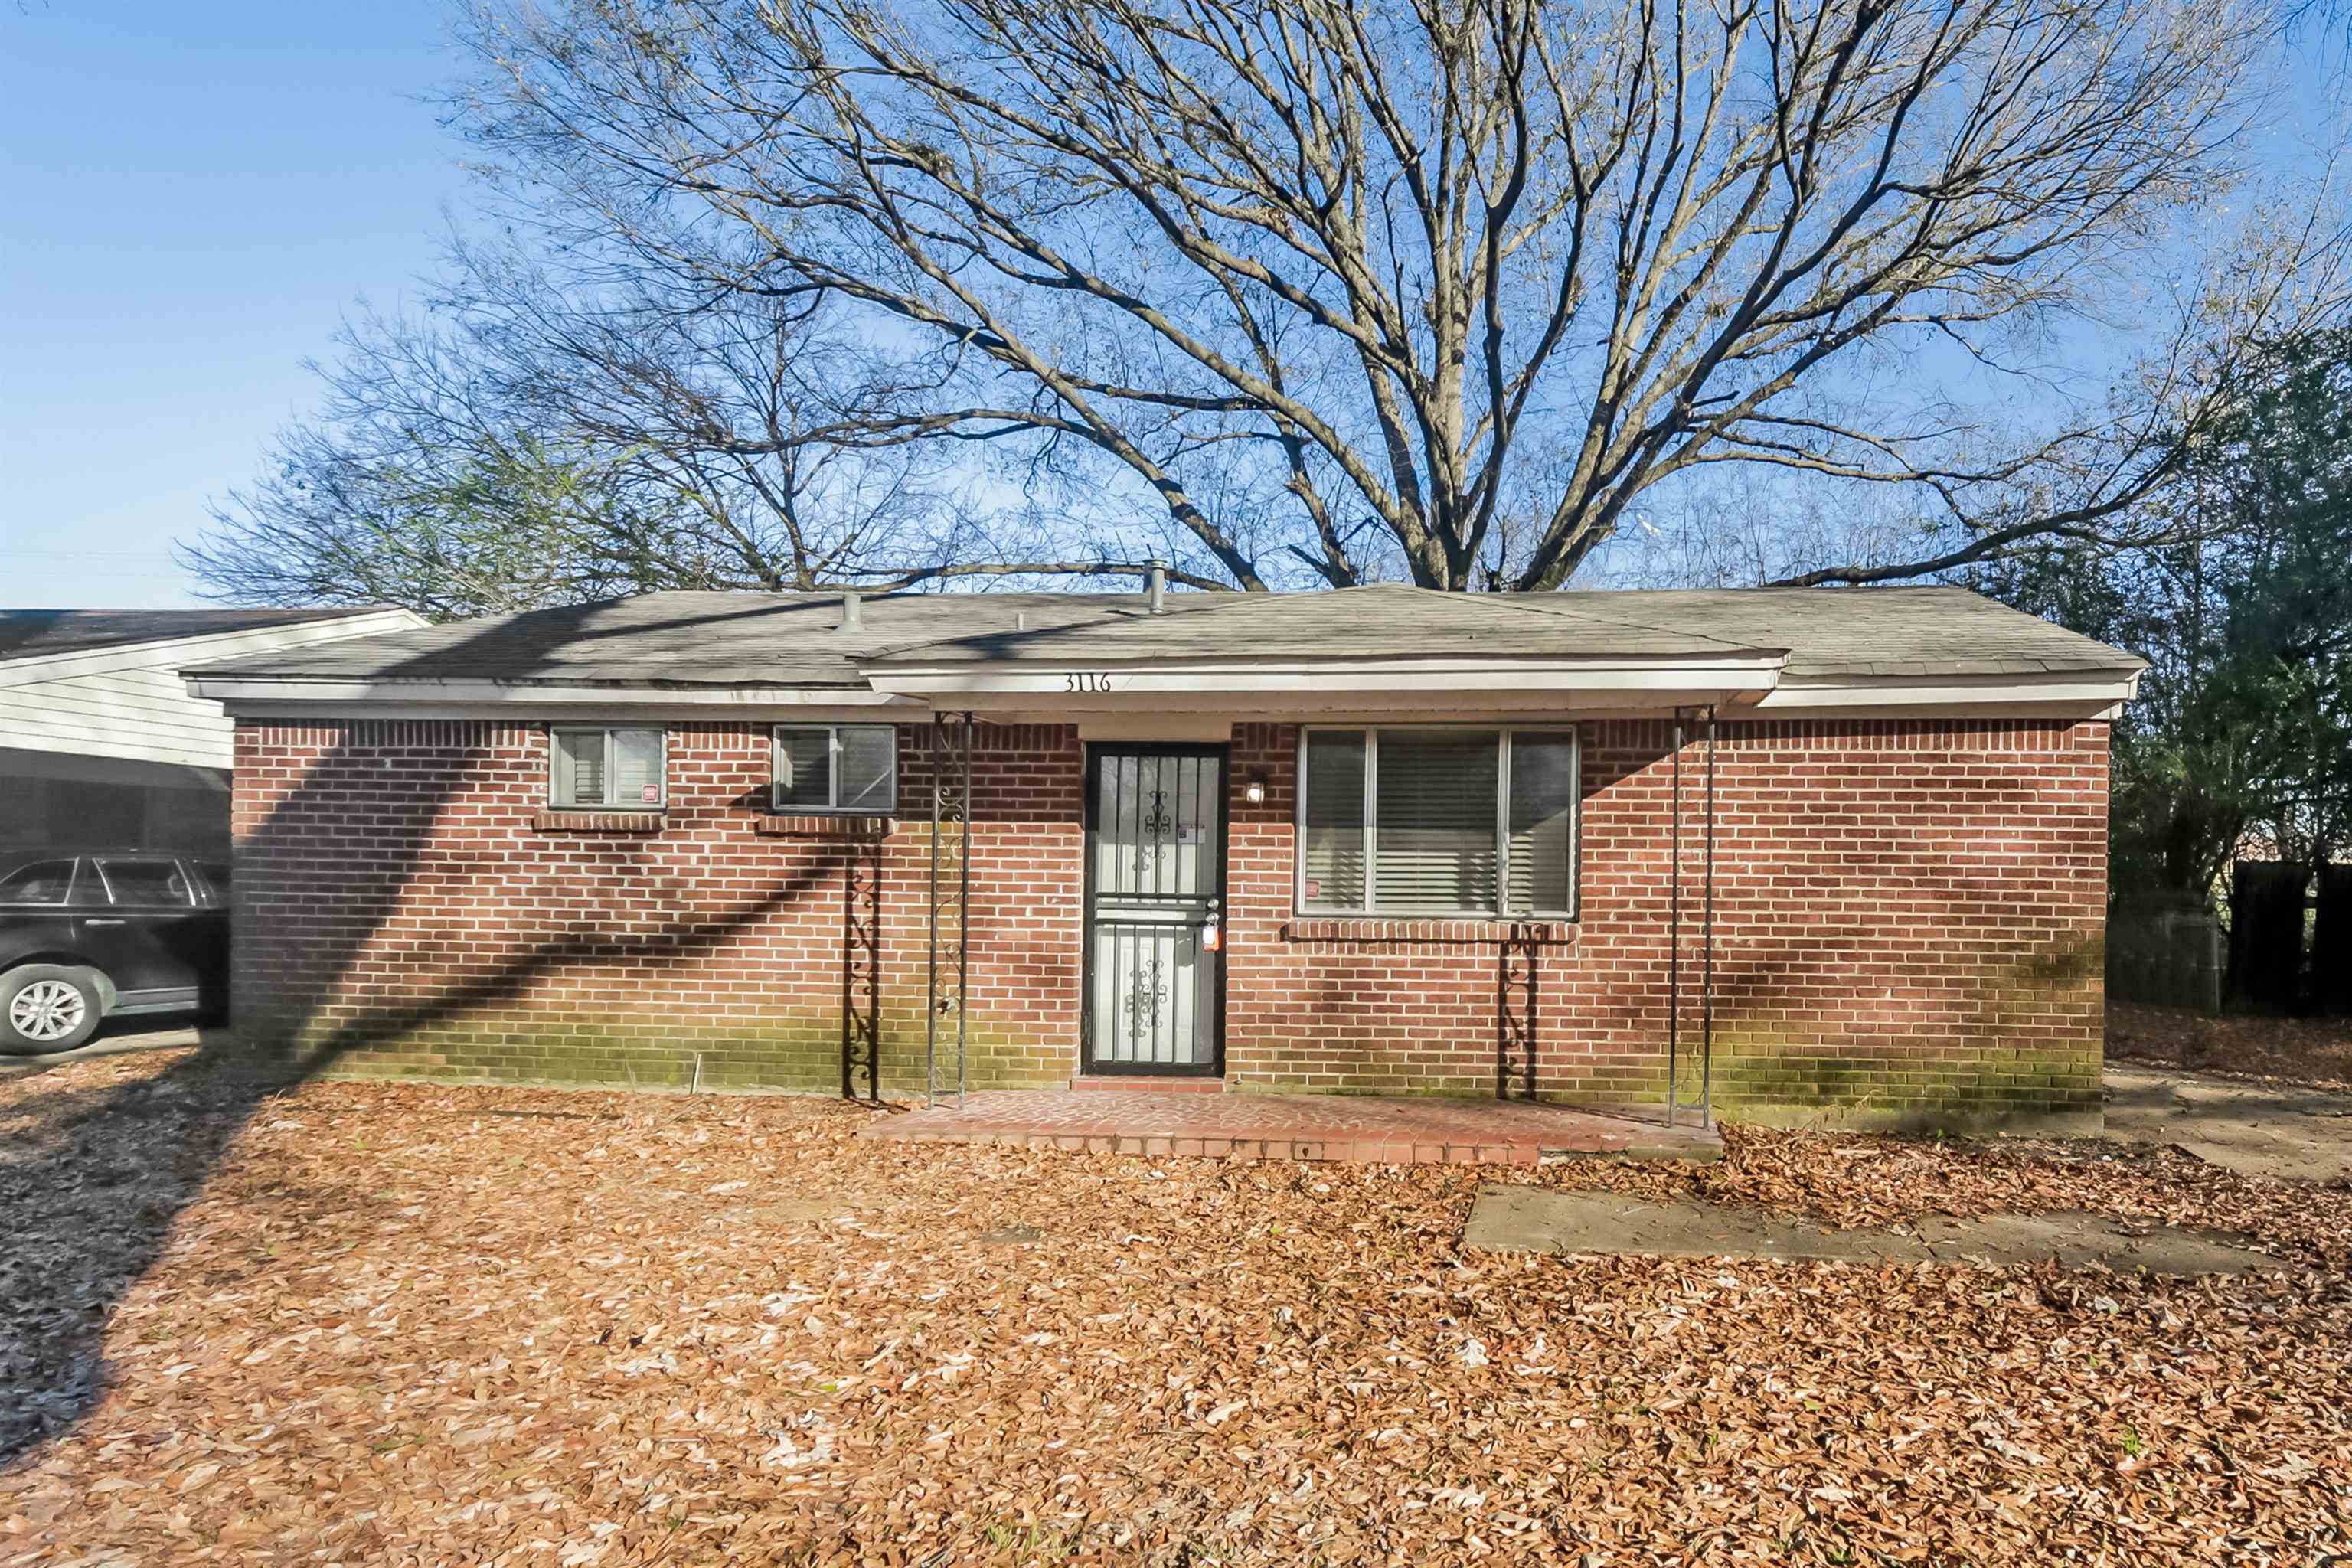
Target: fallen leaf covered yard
x=1833 y=854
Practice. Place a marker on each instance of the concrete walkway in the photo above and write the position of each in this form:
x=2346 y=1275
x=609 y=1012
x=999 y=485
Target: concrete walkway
x=114 y=1038
x=1587 y=1223
x=1295 y=1127
x=2253 y=1128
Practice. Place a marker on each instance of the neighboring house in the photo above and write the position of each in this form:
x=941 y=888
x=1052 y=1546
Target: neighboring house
x=100 y=743
x=1378 y=840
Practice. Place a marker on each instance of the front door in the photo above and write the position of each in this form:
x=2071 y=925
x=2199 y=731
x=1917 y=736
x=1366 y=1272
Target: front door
x=1155 y=887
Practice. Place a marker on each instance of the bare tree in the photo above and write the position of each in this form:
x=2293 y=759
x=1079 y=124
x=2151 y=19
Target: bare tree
x=551 y=431
x=1441 y=290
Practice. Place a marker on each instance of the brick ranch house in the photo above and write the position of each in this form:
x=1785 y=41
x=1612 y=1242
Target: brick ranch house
x=1843 y=851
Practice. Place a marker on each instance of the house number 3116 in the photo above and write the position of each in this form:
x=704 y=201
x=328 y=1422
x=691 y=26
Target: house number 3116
x=1086 y=681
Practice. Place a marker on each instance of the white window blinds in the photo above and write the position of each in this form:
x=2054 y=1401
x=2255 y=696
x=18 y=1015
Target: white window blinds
x=1411 y=821
x=579 y=767
x=1435 y=797
x=637 y=767
x=837 y=767
x=608 y=767
x=1543 y=822
x=1331 y=850
x=803 y=769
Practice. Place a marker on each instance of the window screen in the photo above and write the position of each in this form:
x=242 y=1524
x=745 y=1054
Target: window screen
x=1543 y=823
x=1331 y=849
x=1461 y=822
x=42 y=882
x=837 y=767
x=146 y=882
x=607 y=767
x=637 y=763
x=869 y=768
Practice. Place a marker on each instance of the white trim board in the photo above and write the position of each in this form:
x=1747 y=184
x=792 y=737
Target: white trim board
x=172 y=654
x=473 y=698
x=1174 y=703
x=1453 y=678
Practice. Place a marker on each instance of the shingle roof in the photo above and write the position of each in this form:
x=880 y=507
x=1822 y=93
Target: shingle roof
x=38 y=634
x=1845 y=632
x=794 y=639
x=1383 y=621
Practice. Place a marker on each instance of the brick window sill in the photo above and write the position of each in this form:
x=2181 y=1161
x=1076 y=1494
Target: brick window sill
x=1370 y=929
x=782 y=826
x=616 y=822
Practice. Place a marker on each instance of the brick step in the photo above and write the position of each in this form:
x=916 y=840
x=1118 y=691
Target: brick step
x=1153 y=1082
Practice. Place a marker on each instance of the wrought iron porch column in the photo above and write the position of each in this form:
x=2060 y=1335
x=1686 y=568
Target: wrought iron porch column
x=1705 y=1104
x=948 y=968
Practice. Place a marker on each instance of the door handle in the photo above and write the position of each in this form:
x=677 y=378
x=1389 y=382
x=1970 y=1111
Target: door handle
x=96 y=920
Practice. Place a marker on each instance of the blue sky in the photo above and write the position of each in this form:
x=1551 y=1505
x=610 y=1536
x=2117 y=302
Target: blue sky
x=191 y=197
x=194 y=195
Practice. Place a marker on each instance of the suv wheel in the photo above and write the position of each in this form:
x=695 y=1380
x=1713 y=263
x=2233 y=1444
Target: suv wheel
x=45 y=1007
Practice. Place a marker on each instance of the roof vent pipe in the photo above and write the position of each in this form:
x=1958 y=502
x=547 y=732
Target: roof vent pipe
x=850 y=619
x=1155 y=594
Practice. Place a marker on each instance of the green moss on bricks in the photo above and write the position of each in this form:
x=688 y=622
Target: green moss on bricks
x=796 y=1051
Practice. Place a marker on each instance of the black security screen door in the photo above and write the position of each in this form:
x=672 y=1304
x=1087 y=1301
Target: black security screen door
x=1155 y=888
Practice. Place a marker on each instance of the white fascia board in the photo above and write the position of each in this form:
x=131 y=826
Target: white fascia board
x=248 y=698
x=175 y=654
x=2093 y=695
x=1481 y=679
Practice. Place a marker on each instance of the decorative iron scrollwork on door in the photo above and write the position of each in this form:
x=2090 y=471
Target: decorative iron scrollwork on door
x=1145 y=994
x=1155 y=827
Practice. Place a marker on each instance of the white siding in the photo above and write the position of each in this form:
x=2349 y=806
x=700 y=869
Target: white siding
x=131 y=703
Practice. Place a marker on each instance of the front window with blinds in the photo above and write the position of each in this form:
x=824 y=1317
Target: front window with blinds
x=1438 y=822
x=837 y=767
x=607 y=767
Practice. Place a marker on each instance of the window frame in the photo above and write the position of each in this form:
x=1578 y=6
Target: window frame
x=555 y=756
x=1503 y=734
x=99 y=863
x=75 y=876
x=776 y=806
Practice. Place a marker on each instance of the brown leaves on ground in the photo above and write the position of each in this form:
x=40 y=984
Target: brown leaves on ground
x=2316 y=1051
x=415 y=1324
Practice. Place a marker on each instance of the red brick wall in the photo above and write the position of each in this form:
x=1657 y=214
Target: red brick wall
x=405 y=904
x=1907 y=917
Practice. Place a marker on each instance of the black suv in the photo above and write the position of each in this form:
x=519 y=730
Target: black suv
x=87 y=934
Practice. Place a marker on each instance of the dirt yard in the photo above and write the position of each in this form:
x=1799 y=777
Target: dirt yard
x=403 y=1324
x=2316 y=1051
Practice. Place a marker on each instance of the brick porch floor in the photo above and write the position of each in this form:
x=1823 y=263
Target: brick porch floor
x=1295 y=1127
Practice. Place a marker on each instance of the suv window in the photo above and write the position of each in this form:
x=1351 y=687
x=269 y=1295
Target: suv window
x=216 y=872
x=146 y=882
x=42 y=882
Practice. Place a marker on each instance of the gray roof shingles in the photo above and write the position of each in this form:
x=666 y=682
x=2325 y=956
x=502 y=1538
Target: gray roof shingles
x=40 y=633
x=744 y=638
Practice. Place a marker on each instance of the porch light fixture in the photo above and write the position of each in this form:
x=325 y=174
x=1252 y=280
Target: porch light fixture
x=1253 y=791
